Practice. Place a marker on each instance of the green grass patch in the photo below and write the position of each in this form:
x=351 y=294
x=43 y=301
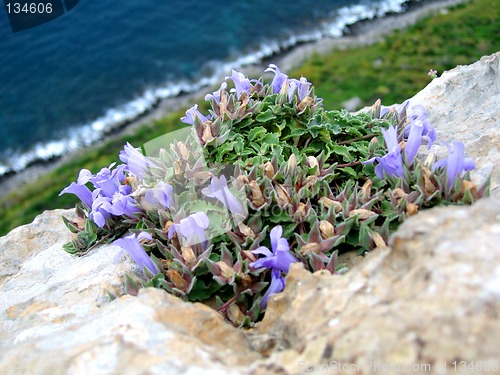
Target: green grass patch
x=396 y=68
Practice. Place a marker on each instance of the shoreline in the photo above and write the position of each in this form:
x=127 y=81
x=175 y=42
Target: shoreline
x=362 y=33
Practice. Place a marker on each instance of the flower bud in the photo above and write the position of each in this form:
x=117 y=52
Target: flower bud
x=245 y=279
x=398 y=193
x=310 y=181
x=469 y=186
x=269 y=170
x=376 y=109
x=234 y=314
x=311 y=248
x=306 y=102
x=188 y=255
x=366 y=188
x=177 y=279
x=378 y=240
x=313 y=162
x=223 y=103
x=411 y=209
x=207 y=133
x=327 y=202
x=283 y=196
x=362 y=213
x=292 y=164
x=168 y=224
x=301 y=212
x=257 y=197
x=429 y=187
x=246 y=230
x=373 y=145
x=178 y=170
x=430 y=160
x=326 y=228
x=226 y=271
x=79 y=223
x=183 y=150
x=241 y=181
x=202 y=176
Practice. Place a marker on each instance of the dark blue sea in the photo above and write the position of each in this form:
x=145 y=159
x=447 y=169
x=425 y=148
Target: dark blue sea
x=65 y=82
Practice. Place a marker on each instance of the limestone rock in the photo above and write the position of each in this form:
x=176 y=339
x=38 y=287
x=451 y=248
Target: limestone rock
x=57 y=316
x=153 y=333
x=463 y=106
x=28 y=240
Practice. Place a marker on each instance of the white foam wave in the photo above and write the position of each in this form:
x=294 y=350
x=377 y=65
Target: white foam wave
x=88 y=134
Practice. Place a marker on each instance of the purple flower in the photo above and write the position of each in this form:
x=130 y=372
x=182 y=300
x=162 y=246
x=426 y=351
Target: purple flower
x=302 y=86
x=218 y=189
x=133 y=248
x=417 y=114
x=123 y=205
x=456 y=163
x=81 y=191
x=280 y=258
x=241 y=83
x=279 y=78
x=161 y=194
x=392 y=163
x=136 y=162
x=216 y=94
x=192 y=228
x=120 y=204
x=107 y=180
x=277 y=285
x=414 y=140
x=101 y=208
x=191 y=115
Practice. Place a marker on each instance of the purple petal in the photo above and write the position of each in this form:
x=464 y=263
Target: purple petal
x=191 y=115
x=414 y=140
x=277 y=285
x=275 y=235
x=132 y=246
x=241 y=83
x=81 y=191
x=279 y=78
x=391 y=138
x=262 y=250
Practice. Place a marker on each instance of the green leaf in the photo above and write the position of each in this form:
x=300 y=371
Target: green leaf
x=342 y=151
x=70 y=248
x=265 y=116
x=224 y=149
x=364 y=236
x=257 y=133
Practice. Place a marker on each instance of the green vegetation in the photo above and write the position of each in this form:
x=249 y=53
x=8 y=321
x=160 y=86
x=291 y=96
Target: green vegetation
x=392 y=70
x=396 y=69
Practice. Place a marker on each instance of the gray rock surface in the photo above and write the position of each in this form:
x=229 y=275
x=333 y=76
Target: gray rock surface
x=431 y=298
x=463 y=105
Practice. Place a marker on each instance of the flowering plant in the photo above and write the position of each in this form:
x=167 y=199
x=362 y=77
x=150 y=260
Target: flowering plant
x=217 y=212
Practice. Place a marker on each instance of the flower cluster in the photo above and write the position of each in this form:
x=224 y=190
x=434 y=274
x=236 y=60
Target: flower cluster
x=111 y=196
x=266 y=178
